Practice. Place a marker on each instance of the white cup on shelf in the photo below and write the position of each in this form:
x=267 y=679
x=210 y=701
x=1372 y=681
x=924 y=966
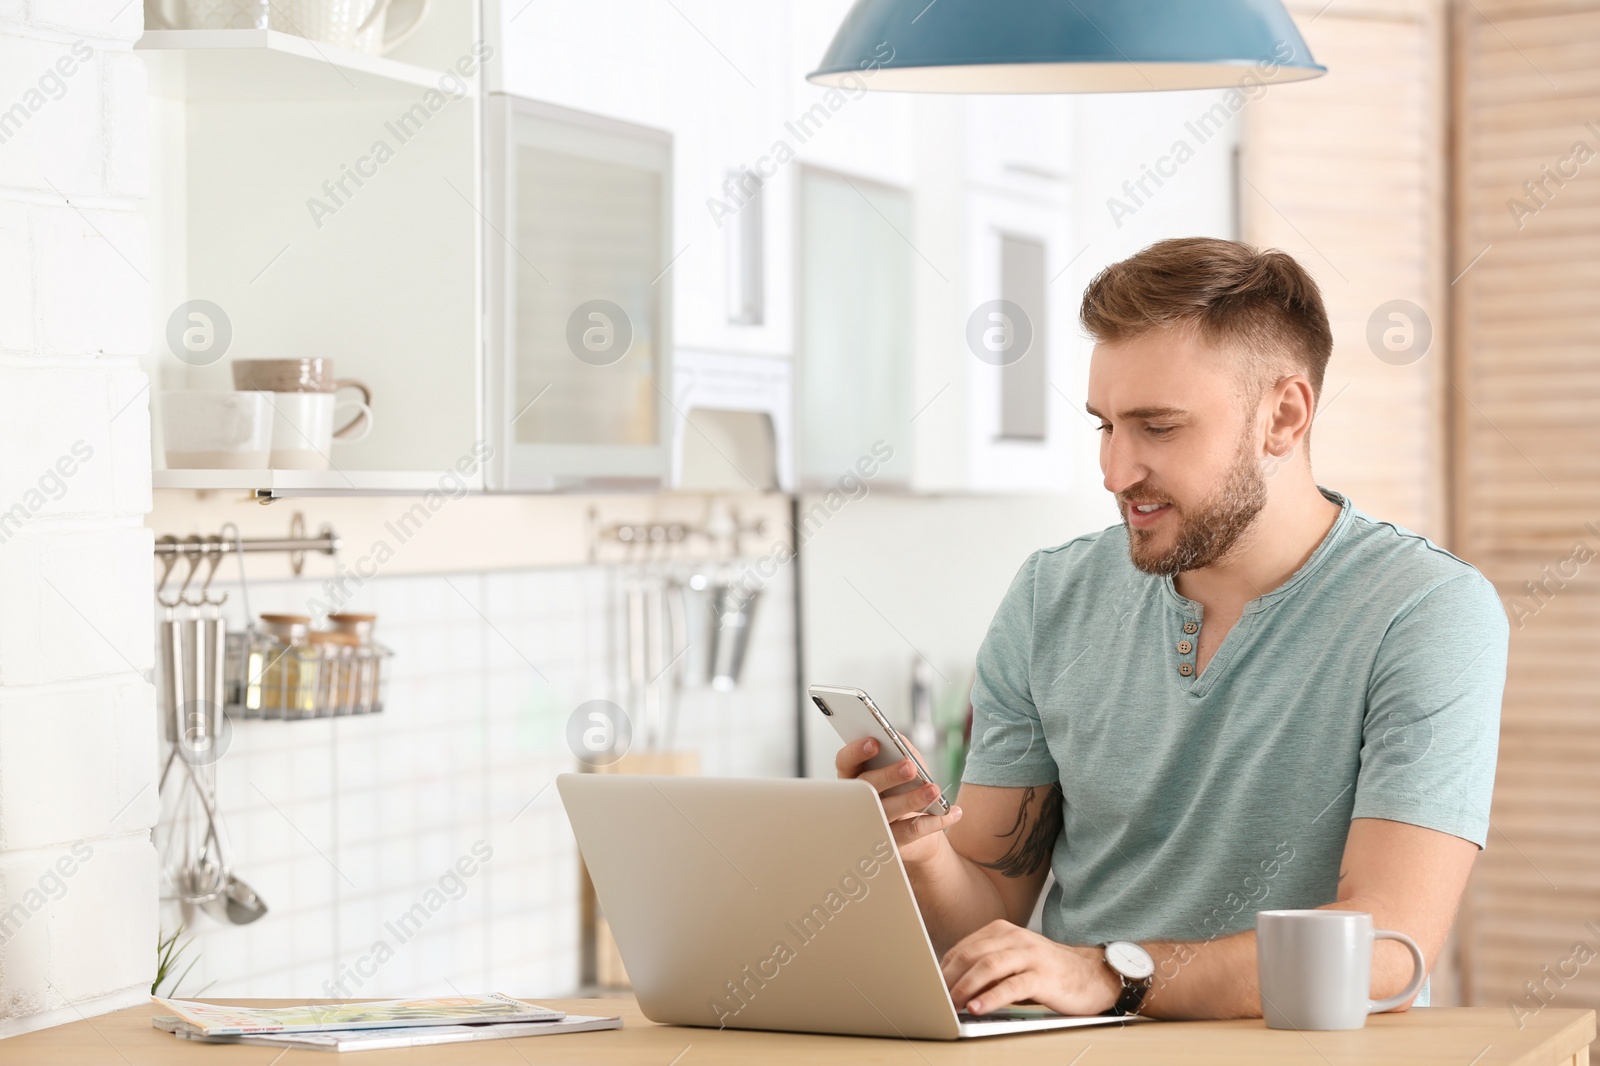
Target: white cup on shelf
x=302 y=428
x=217 y=430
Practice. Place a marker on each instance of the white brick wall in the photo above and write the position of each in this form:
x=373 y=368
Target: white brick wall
x=77 y=733
x=75 y=935
x=50 y=117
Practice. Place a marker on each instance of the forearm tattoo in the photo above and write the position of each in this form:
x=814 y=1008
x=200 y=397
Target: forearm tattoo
x=1031 y=842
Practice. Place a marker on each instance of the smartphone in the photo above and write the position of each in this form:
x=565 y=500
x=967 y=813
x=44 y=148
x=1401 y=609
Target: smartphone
x=855 y=717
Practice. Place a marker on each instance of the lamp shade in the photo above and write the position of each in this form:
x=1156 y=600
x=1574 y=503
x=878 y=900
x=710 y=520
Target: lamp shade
x=1063 y=46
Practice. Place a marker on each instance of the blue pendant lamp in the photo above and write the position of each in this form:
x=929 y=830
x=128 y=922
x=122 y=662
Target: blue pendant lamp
x=1063 y=46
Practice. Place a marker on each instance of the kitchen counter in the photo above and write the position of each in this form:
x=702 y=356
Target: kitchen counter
x=1482 y=1036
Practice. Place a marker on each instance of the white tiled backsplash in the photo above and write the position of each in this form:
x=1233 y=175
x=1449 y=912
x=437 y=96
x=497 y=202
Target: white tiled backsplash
x=346 y=825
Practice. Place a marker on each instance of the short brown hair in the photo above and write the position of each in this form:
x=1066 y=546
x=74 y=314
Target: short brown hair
x=1225 y=290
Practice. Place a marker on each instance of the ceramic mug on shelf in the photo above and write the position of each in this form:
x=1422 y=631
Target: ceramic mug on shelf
x=311 y=374
x=358 y=24
x=207 y=430
x=1314 y=968
x=302 y=428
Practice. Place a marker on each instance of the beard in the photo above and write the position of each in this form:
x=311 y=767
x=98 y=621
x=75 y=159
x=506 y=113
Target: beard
x=1209 y=533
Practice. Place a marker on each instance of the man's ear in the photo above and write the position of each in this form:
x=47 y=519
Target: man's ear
x=1291 y=408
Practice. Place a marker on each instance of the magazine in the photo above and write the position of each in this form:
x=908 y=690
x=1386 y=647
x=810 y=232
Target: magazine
x=412 y=1036
x=208 y=1019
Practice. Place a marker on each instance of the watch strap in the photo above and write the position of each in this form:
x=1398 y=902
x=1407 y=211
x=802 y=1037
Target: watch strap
x=1132 y=998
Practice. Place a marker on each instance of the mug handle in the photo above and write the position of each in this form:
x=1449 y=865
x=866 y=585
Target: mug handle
x=1414 y=986
x=390 y=43
x=363 y=417
x=372 y=16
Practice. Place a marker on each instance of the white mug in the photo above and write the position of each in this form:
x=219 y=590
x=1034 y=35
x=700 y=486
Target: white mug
x=1315 y=968
x=302 y=428
x=359 y=24
x=217 y=430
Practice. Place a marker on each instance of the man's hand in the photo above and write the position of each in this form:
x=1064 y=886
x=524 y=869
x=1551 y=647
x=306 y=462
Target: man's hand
x=918 y=836
x=1003 y=964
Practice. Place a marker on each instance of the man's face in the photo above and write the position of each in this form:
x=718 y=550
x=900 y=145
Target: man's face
x=1173 y=435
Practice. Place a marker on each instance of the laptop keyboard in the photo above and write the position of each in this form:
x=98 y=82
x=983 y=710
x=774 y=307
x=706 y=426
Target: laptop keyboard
x=1018 y=1014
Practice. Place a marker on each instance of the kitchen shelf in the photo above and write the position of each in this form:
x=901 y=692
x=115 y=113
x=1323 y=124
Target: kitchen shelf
x=268 y=65
x=269 y=142
x=283 y=483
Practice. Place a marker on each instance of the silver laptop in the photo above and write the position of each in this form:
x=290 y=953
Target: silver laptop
x=768 y=904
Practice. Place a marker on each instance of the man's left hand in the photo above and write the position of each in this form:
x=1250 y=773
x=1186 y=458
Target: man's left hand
x=1003 y=964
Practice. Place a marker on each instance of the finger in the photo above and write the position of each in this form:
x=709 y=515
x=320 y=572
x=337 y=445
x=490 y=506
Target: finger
x=888 y=777
x=976 y=944
x=971 y=975
x=907 y=830
x=987 y=971
x=1018 y=988
x=991 y=937
x=853 y=756
x=908 y=804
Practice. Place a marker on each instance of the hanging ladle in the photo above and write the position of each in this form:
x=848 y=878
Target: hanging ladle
x=238 y=902
x=235 y=901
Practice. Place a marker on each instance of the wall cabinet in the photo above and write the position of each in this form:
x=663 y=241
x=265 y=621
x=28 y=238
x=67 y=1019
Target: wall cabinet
x=854 y=302
x=491 y=267
x=313 y=201
x=933 y=325
x=1019 y=424
x=580 y=223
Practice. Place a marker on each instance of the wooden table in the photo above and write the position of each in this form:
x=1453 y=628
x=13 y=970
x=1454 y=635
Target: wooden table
x=1482 y=1036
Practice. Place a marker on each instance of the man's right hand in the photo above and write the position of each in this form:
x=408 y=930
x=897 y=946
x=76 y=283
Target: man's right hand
x=919 y=836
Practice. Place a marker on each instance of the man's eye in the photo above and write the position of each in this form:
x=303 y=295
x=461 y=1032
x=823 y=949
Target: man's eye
x=1104 y=427
x=1160 y=431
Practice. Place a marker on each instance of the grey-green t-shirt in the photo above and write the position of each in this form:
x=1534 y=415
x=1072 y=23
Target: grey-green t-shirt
x=1368 y=685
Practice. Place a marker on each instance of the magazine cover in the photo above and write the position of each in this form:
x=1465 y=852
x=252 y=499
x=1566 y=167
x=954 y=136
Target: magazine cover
x=221 y=1020
x=412 y=1036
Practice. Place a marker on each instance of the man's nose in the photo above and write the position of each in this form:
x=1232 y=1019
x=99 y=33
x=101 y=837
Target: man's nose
x=1122 y=471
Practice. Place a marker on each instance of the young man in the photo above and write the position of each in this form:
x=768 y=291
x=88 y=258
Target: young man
x=1248 y=695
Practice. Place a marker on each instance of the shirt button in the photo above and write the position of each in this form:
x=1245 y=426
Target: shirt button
x=1189 y=627
x=1185 y=647
x=1186 y=669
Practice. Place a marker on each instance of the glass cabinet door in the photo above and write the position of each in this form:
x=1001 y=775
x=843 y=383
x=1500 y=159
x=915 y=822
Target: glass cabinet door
x=578 y=244
x=855 y=326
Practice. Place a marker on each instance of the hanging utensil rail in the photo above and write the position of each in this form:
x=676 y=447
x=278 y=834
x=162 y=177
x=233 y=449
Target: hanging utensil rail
x=668 y=541
x=326 y=542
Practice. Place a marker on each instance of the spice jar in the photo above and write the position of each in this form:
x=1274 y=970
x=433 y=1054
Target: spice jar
x=336 y=673
x=364 y=664
x=286 y=666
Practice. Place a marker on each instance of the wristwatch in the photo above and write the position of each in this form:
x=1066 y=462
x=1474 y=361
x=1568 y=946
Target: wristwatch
x=1134 y=965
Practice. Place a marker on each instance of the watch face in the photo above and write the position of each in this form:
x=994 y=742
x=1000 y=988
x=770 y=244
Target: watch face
x=1130 y=960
